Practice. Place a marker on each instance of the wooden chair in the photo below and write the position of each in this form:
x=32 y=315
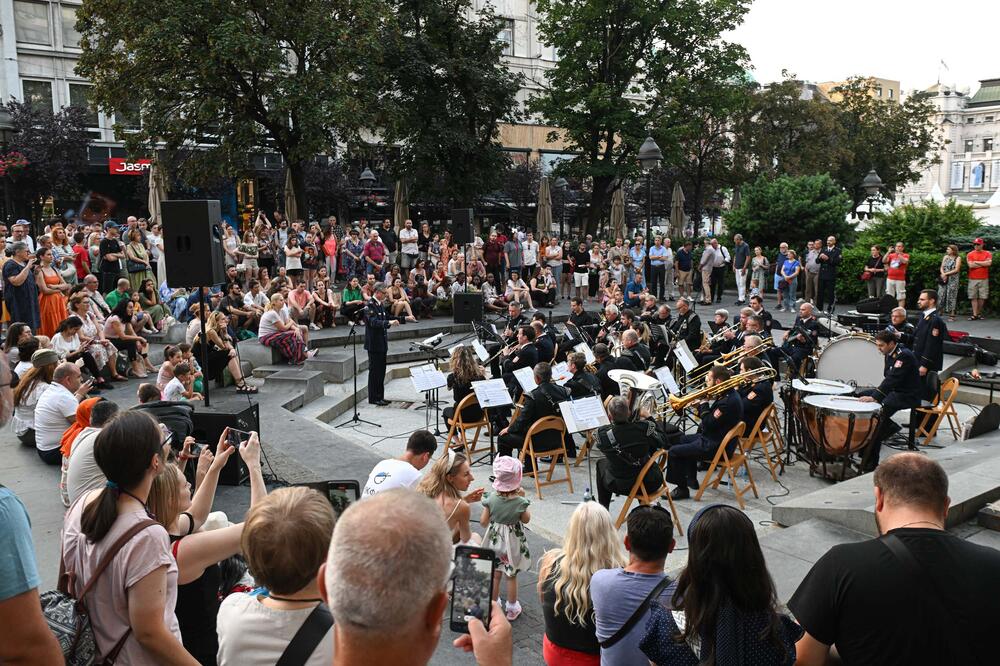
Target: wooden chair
x=458 y=427
x=758 y=434
x=638 y=491
x=581 y=455
x=943 y=406
x=541 y=425
x=727 y=465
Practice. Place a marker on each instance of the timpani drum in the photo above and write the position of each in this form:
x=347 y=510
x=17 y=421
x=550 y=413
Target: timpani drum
x=837 y=427
x=851 y=359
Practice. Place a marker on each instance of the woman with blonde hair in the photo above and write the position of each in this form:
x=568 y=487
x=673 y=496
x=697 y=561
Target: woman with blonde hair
x=449 y=477
x=221 y=353
x=591 y=544
x=278 y=331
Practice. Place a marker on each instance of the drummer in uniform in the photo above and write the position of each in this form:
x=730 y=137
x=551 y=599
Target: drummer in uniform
x=755 y=397
x=635 y=355
x=902 y=329
x=928 y=342
x=582 y=383
x=899 y=390
x=717 y=418
x=800 y=340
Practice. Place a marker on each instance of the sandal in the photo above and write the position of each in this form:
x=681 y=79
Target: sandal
x=246 y=388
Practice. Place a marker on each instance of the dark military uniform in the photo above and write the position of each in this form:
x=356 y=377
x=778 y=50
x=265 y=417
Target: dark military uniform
x=637 y=358
x=904 y=334
x=626 y=448
x=583 y=384
x=801 y=341
x=899 y=390
x=717 y=419
x=928 y=348
x=493 y=347
x=608 y=385
x=543 y=401
x=755 y=398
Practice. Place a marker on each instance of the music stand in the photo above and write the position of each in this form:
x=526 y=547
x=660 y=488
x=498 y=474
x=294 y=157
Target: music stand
x=427 y=379
x=490 y=393
x=353 y=341
x=582 y=415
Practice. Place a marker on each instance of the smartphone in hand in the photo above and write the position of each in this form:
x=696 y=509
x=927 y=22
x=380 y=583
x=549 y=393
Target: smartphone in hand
x=472 y=586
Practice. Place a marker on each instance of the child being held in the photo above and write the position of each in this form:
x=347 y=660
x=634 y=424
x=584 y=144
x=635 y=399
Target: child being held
x=504 y=511
x=181 y=388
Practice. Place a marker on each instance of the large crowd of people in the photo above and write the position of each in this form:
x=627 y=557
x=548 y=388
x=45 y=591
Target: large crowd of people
x=296 y=583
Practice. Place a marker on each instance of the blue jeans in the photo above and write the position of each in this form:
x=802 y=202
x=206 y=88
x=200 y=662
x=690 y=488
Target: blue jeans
x=557 y=274
x=788 y=290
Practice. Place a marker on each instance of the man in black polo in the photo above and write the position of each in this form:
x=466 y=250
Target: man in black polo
x=916 y=595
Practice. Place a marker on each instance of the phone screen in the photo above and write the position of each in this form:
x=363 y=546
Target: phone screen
x=339 y=493
x=237 y=437
x=472 y=586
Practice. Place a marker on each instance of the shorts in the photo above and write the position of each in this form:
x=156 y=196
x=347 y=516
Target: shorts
x=979 y=289
x=896 y=289
x=581 y=279
x=294 y=272
x=684 y=278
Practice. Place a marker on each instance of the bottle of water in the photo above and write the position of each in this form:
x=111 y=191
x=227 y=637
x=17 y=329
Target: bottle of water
x=587 y=496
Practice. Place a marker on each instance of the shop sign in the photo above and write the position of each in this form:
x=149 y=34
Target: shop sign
x=119 y=166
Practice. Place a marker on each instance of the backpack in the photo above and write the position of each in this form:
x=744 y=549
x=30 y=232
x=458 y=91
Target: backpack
x=67 y=615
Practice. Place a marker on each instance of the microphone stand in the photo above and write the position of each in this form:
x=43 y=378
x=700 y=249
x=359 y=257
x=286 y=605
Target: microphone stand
x=356 y=418
x=791 y=435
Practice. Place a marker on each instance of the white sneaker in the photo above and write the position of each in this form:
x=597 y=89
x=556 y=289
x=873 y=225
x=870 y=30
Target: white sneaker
x=314 y=327
x=311 y=353
x=513 y=610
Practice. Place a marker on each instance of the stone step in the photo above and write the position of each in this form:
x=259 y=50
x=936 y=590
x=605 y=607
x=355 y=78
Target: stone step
x=973 y=469
x=173 y=335
x=301 y=385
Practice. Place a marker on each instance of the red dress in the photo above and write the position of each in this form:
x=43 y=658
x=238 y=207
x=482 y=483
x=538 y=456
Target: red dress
x=51 y=307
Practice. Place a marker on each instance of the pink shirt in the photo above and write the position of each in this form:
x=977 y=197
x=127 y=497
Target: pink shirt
x=107 y=601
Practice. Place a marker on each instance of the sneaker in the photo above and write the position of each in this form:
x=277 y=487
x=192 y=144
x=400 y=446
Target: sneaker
x=311 y=353
x=314 y=327
x=513 y=611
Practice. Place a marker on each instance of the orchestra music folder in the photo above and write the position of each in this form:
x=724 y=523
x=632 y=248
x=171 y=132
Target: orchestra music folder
x=526 y=378
x=427 y=378
x=583 y=414
x=584 y=348
x=491 y=393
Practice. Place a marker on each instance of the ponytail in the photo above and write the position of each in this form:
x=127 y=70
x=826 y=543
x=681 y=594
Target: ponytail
x=123 y=450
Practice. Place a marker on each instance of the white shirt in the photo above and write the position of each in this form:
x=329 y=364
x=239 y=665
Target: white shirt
x=155 y=242
x=24 y=413
x=389 y=474
x=174 y=391
x=26 y=240
x=22 y=367
x=268 y=322
x=83 y=474
x=408 y=239
x=251 y=634
x=62 y=346
x=530 y=249
x=55 y=410
x=260 y=300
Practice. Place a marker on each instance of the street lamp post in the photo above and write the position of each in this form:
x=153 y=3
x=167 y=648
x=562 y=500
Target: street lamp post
x=649 y=158
x=562 y=185
x=367 y=179
x=871 y=185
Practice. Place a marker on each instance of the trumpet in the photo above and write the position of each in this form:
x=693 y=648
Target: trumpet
x=503 y=348
x=680 y=403
x=734 y=357
x=720 y=335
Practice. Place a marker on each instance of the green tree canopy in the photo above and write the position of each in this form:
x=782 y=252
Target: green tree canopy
x=234 y=78
x=624 y=70
x=449 y=90
x=925 y=227
x=791 y=209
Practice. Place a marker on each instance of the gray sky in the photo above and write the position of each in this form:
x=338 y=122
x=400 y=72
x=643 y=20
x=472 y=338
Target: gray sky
x=903 y=40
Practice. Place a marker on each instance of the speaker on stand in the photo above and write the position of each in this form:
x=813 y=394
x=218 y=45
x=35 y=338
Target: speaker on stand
x=468 y=307
x=192 y=243
x=462 y=232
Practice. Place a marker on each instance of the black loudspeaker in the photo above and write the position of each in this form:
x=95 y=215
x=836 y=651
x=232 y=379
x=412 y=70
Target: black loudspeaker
x=882 y=305
x=986 y=421
x=209 y=422
x=468 y=307
x=192 y=243
x=461 y=220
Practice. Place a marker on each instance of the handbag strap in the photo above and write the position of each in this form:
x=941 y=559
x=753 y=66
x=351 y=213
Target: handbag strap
x=110 y=555
x=636 y=615
x=307 y=638
x=944 y=616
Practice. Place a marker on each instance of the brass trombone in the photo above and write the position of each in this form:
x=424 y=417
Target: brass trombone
x=734 y=357
x=682 y=402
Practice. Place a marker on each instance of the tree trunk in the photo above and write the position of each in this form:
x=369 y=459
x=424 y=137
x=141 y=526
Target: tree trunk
x=298 y=171
x=598 y=200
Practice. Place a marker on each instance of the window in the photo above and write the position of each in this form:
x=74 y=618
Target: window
x=549 y=161
x=506 y=36
x=128 y=118
x=31 y=22
x=79 y=95
x=892 y=93
x=38 y=93
x=988 y=144
x=70 y=37
x=968 y=145
x=988 y=119
x=879 y=91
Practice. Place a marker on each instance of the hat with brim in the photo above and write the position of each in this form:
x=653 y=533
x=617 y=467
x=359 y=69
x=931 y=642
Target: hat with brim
x=507 y=474
x=43 y=357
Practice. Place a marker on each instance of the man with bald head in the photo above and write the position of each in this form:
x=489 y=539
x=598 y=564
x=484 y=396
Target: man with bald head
x=800 y=339
x=56 y=410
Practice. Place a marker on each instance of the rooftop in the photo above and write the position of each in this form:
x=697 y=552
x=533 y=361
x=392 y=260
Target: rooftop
x=988 y=93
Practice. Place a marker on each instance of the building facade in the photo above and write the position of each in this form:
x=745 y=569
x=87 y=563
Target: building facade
x=969 y=164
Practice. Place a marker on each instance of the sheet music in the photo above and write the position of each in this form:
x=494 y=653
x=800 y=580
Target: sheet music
x=684 y=355
x=427 y=378
x=583 y=414
x=663 y=331
x=584 y=348
x=561 y=373
x=568 y=332
x=493 y=327
x=666 y=378
x=526 y=378
x=480 y=351
x=491 y=393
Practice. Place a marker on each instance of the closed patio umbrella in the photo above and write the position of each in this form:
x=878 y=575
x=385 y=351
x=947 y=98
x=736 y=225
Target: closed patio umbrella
x=157 y=193
x=677 y=210
x=291 y=208
x=543 y=214
x=618 y=214
x=402 y=210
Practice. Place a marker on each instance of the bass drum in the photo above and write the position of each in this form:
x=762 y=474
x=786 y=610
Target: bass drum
x=852 y=359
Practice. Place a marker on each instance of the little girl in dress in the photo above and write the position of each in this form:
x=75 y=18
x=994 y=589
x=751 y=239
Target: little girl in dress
x=503 y=514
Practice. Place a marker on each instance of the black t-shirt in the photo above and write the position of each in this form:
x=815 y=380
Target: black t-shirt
x=581 y=259
x=110 y=246
x=860 y=597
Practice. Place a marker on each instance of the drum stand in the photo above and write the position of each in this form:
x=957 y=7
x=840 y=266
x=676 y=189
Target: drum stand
x=792 y=434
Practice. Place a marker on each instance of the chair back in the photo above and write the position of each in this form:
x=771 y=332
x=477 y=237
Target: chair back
x=543 y=424
x=467 y=401
x=735 y=431
x=757 y=432
x=949 y=389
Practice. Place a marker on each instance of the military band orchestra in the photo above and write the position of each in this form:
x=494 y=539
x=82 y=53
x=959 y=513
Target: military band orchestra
x=740 y=362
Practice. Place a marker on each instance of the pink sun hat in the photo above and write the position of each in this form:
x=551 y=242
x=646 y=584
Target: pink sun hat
x=507 y=474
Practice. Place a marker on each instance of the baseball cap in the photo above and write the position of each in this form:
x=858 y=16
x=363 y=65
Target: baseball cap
x=978 y=241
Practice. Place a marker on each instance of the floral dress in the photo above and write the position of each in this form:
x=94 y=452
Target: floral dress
x=353 y=266
x=505 y=534
x=949 y=291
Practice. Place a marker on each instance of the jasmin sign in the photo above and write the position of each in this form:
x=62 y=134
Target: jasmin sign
x=119 y=166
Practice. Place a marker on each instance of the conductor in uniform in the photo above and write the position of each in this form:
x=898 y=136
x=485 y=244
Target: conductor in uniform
x=543 y=401
x=928 y=342
x=899 y=390
x=717 y=418
x=378 y=323
x=627 y=446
